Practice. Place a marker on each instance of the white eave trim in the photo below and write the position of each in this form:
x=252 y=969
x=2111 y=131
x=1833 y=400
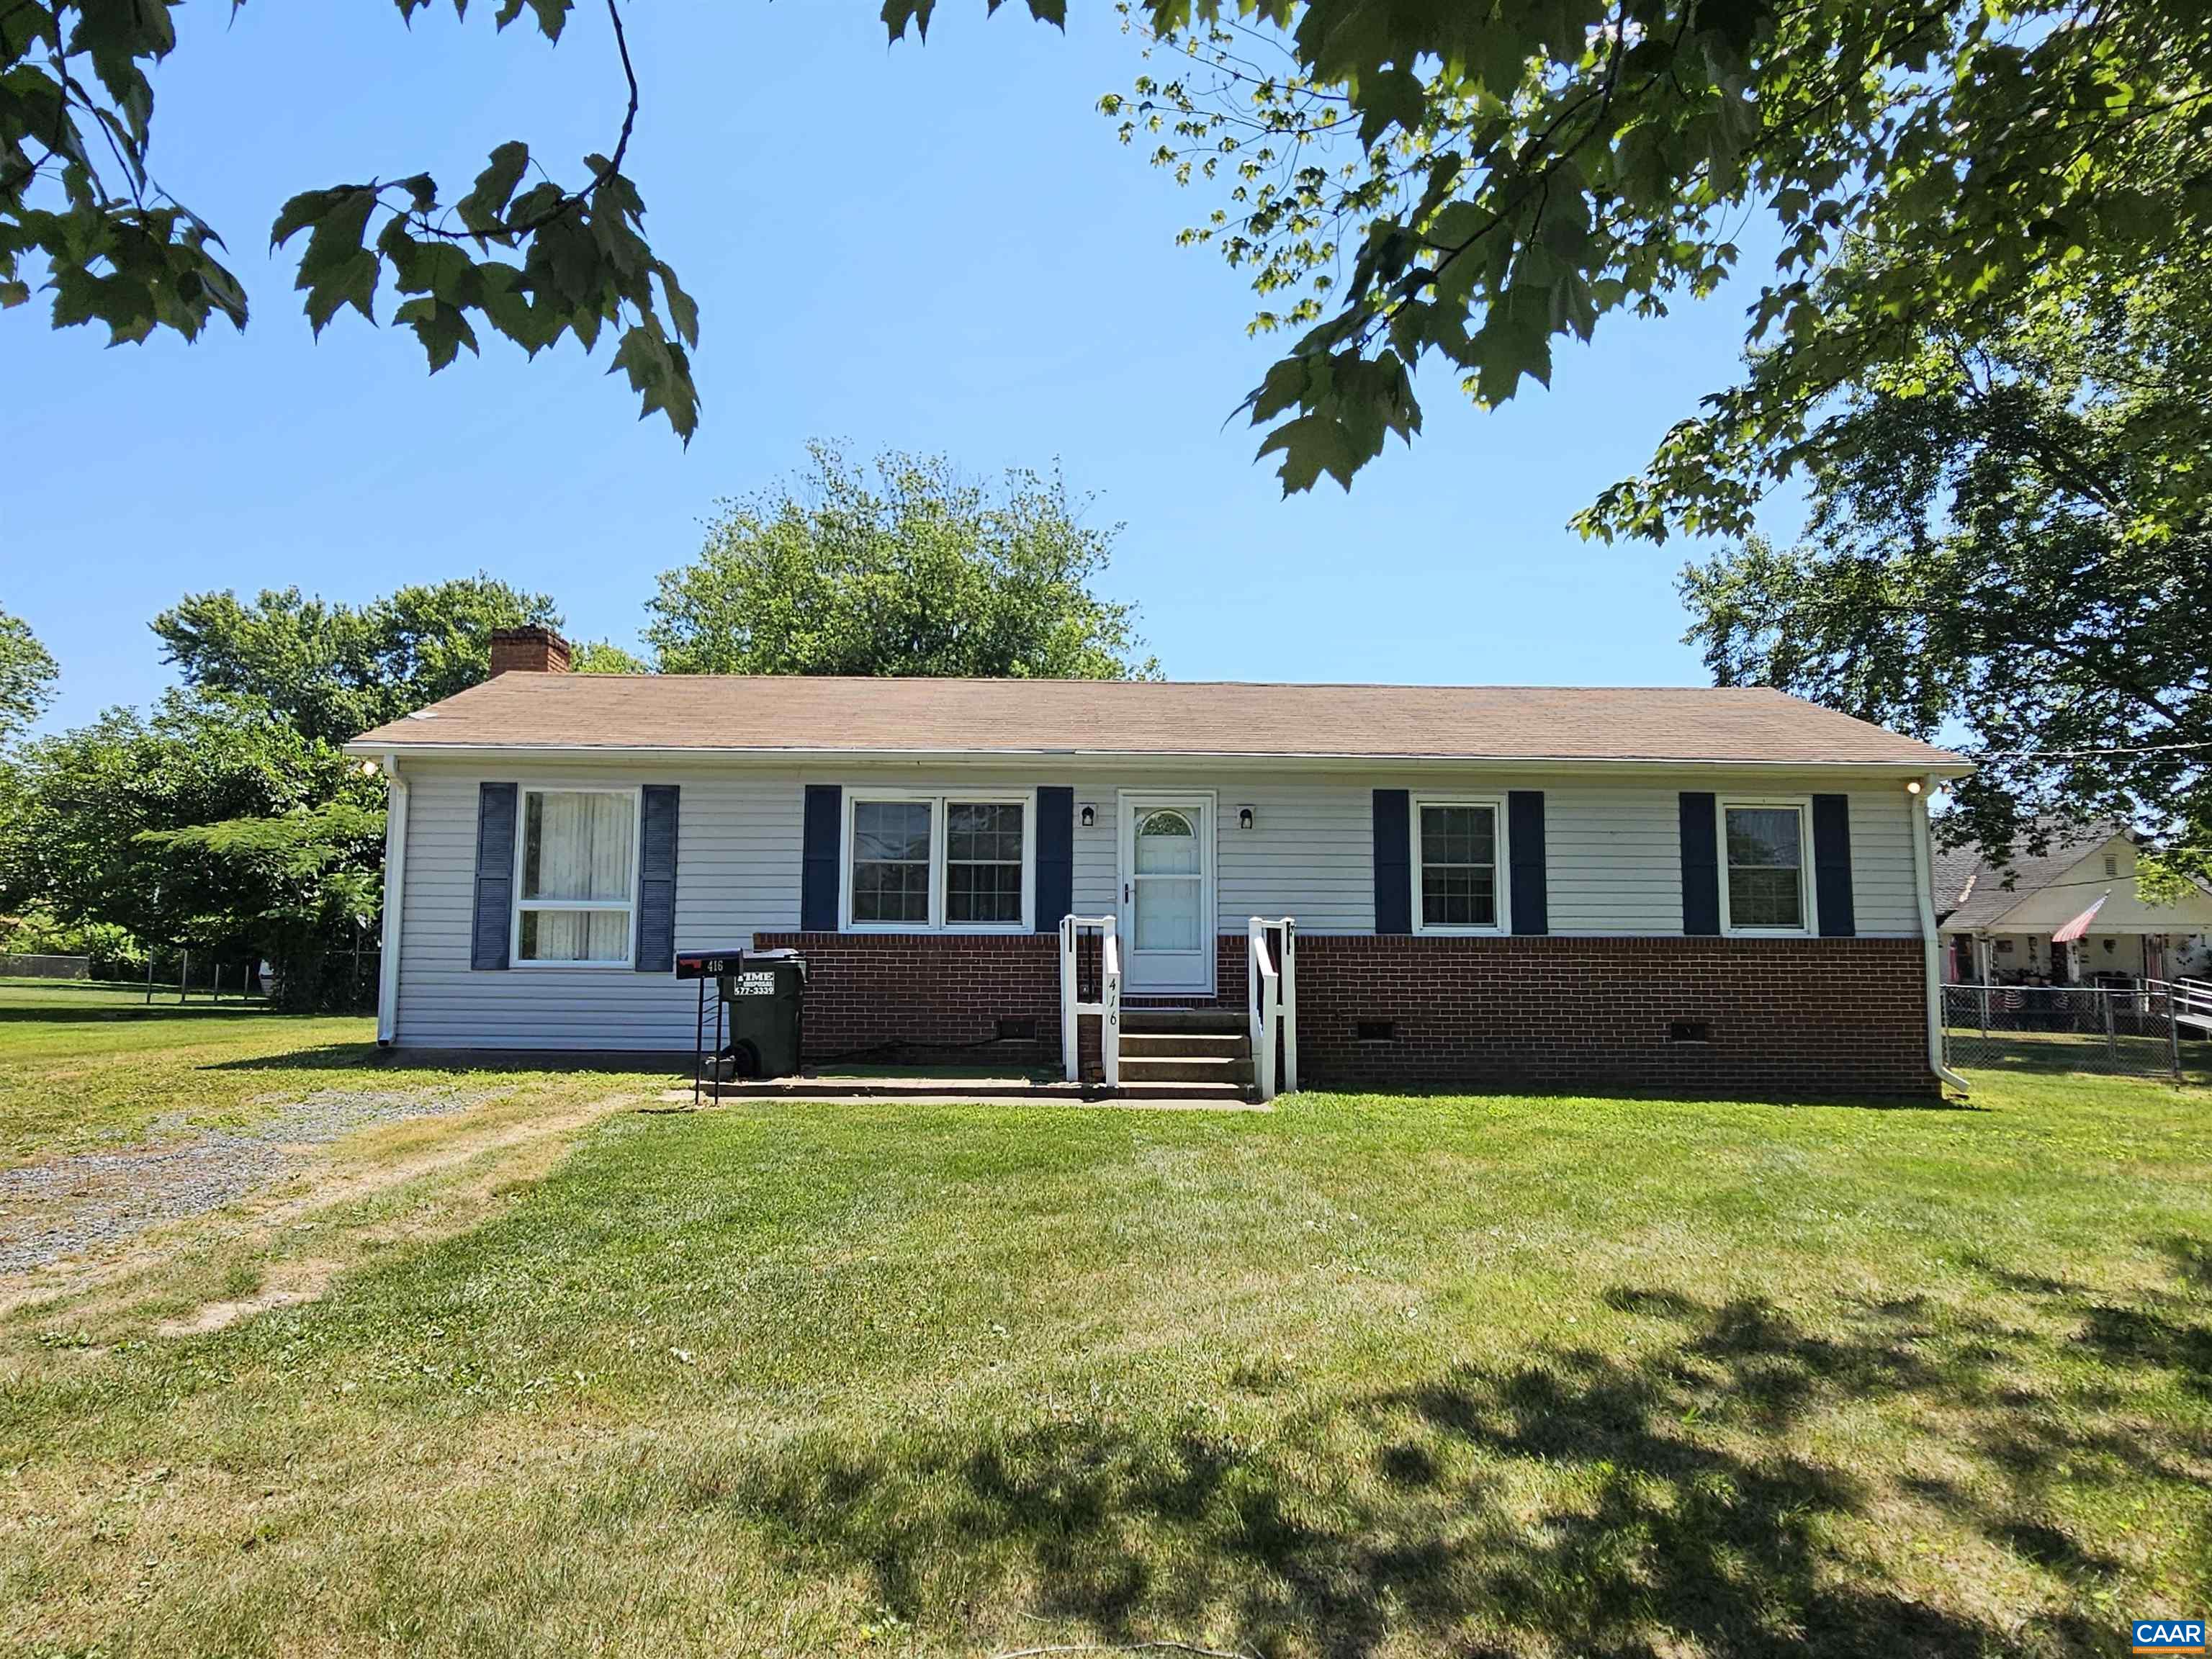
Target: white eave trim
x=1327 y=759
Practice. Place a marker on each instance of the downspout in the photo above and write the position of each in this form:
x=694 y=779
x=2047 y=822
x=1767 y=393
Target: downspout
x=1930 y=945
x=395 y=870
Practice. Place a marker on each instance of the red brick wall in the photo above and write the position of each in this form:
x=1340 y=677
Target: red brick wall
x=1784 y=1016
x=923 y=991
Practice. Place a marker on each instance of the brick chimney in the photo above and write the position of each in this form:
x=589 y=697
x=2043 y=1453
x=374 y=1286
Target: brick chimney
x=532 y=649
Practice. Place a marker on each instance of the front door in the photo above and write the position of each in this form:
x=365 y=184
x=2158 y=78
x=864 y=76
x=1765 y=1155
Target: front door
x=1167 y=921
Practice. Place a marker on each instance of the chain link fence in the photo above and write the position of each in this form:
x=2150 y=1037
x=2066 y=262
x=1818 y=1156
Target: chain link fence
x=2152 y=1029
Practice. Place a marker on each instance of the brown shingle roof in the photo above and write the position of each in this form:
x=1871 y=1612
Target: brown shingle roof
x=741 y=713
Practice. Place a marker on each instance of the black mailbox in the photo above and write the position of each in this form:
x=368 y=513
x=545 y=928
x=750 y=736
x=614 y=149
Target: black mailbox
x=708 y=964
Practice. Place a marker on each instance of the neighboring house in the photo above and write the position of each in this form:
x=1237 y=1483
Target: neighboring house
x=1671 y=889
x=1999 y=921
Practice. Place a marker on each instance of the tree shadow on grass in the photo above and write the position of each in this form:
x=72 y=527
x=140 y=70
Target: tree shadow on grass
x=118 y=1009
x=339 y=1056
x=1568 y=1097
x=1658 y=1499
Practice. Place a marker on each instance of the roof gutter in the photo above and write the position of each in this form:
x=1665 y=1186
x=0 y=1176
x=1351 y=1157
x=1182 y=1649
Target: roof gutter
x=395 y=875
x=1910 y=768
x=1930 y=947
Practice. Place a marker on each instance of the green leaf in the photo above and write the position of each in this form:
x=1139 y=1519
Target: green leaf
x=305 y=209
x=660 y=374
x=1396 y=97
x=552 y=16
x=482 y=207
x=682 y=311
x=1311 y=445
x=336 y=270
x=443 y=329
x=897 y=14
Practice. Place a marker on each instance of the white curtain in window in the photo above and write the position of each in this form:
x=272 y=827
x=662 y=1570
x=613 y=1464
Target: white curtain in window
x=577 y=846
x=575 y=935
x=576 y=849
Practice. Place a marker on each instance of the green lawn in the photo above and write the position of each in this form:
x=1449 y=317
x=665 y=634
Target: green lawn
x=83 y=1066
x=1482 y=1375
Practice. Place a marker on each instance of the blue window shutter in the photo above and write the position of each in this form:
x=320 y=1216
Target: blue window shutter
x=656 y=880
x=495 y=905
x=1832 y=866
x=818 y=885
x=1055 y=856
x=1394 y=861
x=1524 y=841
x=1701 y=866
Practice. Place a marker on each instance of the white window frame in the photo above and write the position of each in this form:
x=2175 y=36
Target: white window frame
x=518 y=904
x=939 y=802
x=1501 y=874
x=1802 y=805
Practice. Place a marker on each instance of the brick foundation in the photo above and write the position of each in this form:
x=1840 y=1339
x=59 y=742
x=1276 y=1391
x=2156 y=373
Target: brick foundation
x=920 y=992
x=1779 y=1017
x=1831 y=1016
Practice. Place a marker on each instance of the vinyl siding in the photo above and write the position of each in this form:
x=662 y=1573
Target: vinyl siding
x=1614 y=860
x=1885 y=890
x=737 y=873
x=1612 y=865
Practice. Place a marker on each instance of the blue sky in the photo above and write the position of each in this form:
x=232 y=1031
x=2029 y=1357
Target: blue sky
x=938 y=248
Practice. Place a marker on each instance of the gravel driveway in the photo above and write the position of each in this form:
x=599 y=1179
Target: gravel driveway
x=55 y=1209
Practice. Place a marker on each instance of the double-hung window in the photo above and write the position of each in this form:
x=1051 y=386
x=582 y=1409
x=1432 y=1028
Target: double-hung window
x=983 y=845
x=1764 y=844
x=1458 y=854
x=576 y=883
x=891 y=843
x=925 y=863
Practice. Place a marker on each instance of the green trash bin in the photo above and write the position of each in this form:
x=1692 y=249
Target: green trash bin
x=767 y=1002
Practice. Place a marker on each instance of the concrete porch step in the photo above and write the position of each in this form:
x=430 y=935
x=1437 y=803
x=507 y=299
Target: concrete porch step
x=1132 y=1089
x=1154 y=1045
x=1185 y=1068
x=1149 y=1021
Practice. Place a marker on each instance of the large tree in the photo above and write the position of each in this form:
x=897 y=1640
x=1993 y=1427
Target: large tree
x=212 y=822
x=2007 y=540
x=903 y=568
x=229 y=819
x=334 y=670
x=26 y=676
x=1436 y=180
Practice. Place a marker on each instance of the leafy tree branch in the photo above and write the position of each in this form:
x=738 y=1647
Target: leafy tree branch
x=536 y=267
x=2007 y=541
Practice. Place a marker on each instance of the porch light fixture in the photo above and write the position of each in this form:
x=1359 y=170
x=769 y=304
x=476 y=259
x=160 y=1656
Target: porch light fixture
x=1243 y=818
x=1913 y=786
x=369 y=768
x=1089 y=815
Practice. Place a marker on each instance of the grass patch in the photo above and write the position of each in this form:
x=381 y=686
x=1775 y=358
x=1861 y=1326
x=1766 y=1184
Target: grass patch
x=1490 y=1375
x=84 y=1067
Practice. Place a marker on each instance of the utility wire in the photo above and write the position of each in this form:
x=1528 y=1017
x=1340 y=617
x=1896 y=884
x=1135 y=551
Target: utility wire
x=2084 y=754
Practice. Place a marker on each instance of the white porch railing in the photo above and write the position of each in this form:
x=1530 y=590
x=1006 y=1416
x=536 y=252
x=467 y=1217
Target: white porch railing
x=1107 y=1006
x=1271 y=993
x=2192 y=1002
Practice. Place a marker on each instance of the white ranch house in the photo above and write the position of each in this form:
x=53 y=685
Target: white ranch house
x=1676 y=888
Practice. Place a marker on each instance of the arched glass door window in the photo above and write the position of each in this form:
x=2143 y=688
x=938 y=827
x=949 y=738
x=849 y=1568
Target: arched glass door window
x=1170 y=881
